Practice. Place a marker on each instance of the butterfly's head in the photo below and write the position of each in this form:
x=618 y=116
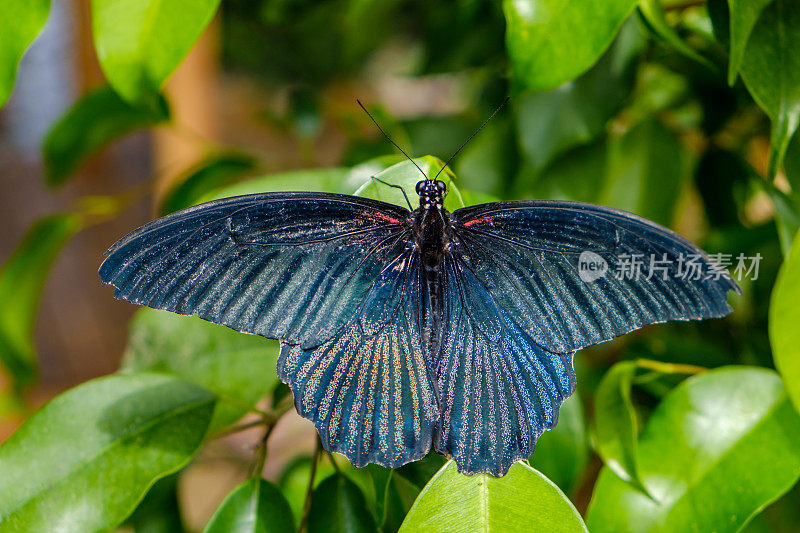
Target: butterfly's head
x=431 y=193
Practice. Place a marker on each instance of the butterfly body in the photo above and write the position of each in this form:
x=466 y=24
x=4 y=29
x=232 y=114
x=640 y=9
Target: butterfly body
x=403 y=331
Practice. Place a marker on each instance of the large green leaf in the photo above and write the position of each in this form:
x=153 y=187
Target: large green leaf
x=22 y=279
x=92 y=122
x=20 y=22
x=552 y=41
x=238 y=368
x=784 y=316
x=771 y=71
x=214 y=172
x=549 y=123
x=523 y=500
x=338 y=505
x=743 y=16
x=139 y=43
x=645 y=171
x=317 y=179
x=255 y=506
x=717 y=450
x=562 y=453
x=85 y=459
x=617 y=430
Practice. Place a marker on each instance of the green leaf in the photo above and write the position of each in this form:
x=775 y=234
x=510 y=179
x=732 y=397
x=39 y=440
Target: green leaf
x=255 y=506
x=338 y=505
x=404 y=174
x=159 y=511
x=784 y=316
x=552 y=122
x=523 y=500
x=787 y=211
x=318 y=179
x=563 y=452
x=238 y=368
x=91 y=123
x=140 y=43
x=743 y=15
x=22 y=279
x=771 y=71
x=645 y=173
x=20 y=22
x=551 y=41
x=213 y=173
x=84 y=461
x=653 y=12
x=617 y=430
x=719 y=448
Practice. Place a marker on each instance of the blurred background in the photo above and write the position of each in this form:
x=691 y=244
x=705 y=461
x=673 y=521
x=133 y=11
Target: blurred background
x=652 y=126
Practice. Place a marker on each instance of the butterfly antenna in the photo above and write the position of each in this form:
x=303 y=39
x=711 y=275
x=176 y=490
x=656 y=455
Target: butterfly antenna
x=390 y=139
x=485 y=122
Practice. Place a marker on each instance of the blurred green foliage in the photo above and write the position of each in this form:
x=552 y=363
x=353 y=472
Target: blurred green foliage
x=638 y=105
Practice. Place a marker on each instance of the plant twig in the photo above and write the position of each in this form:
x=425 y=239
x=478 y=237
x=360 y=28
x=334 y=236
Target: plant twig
x=310 y=489
x=670 y=368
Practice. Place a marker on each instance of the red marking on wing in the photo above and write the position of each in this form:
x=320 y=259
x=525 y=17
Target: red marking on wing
x=373 y=216
x=469 y=223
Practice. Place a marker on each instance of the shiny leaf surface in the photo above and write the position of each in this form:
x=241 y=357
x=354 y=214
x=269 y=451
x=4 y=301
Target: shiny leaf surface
x=338 y=505
x=743 y=16
x=718 y=448
x=20 y=22
x=615 y=419
x=784 y=316
x=523 y=500
x=771 y=71
x=255 y=506
x=238 y=368
x=543 y=43
x=84 y=461
x=140 y=43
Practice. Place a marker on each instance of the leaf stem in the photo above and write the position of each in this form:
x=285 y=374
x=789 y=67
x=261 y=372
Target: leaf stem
x=310 y=489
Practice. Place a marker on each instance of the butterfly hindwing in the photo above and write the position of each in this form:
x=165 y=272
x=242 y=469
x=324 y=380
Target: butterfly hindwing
x=367 y=389
x=499 y=389
x=526 y=254
x=292 y=266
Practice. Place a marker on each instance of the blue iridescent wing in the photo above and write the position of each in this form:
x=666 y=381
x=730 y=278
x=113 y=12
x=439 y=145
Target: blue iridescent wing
x=334 y=277
x=367 y=389
x=526 y=254
x=499 y=388
x=292 y=266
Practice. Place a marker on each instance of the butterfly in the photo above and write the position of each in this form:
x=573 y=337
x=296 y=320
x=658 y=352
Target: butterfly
x=403 y=330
